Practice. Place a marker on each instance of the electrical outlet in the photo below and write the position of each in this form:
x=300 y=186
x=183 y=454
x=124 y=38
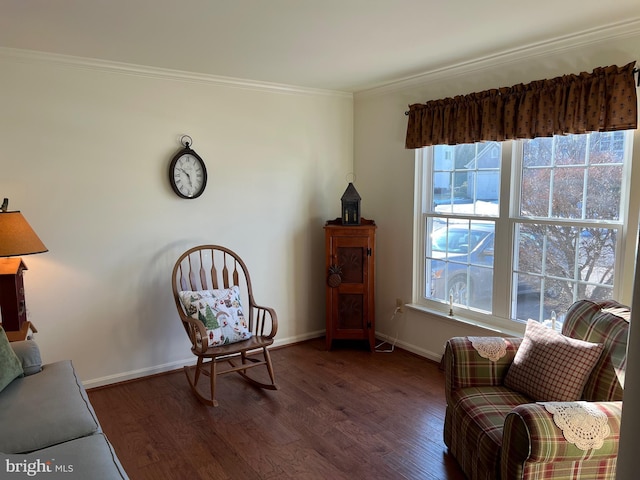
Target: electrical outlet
x=400 y=305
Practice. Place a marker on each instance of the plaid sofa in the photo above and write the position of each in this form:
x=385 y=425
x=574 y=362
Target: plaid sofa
x=496 y=433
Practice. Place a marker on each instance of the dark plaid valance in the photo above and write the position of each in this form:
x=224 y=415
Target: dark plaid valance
x=601 y=101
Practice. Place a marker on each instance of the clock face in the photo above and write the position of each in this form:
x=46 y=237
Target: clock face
x=187 y=174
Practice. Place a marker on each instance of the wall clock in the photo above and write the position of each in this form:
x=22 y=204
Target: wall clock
x=187 y=171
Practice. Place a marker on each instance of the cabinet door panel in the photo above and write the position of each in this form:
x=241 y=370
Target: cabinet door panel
x=352 y=263
x=350 y=312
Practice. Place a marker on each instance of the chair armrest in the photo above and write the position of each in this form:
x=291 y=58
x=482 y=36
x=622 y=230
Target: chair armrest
x=464 y=367
x=267 y=321
x=531 y=439
x=29 y=354
x=197 y=334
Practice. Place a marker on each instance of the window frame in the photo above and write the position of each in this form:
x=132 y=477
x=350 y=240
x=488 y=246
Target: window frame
x=511 y=166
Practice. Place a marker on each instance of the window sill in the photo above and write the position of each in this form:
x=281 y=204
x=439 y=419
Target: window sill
x=496 y=329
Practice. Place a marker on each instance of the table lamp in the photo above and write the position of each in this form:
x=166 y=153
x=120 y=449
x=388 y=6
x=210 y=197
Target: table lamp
x=16 y=238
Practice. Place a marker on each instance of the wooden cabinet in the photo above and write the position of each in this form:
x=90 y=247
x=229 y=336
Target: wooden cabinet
x=12 y=304
x=350 y=281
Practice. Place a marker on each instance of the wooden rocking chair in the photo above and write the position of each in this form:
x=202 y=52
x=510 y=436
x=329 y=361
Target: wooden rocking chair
x=200 y=275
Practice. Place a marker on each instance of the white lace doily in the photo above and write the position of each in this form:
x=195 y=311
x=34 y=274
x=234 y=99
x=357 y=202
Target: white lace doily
x=581 y=423
x=493 y=348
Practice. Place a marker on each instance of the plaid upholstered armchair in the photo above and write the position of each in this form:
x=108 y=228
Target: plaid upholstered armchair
x=543 y=406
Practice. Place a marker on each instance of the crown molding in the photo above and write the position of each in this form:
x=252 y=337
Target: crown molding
x=556 y=45
x=35 y=57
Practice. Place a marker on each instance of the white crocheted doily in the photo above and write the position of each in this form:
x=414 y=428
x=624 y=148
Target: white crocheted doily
x=493 y=348
x=581 y=423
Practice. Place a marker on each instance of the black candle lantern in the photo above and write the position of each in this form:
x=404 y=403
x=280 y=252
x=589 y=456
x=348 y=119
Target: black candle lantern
x=350 y=206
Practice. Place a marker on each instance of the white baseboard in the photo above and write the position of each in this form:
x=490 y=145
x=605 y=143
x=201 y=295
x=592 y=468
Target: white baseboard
x=436 y=357
x=139 y=373
x=168 y=367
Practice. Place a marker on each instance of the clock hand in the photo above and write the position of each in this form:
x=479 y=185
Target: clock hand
x=188 y=176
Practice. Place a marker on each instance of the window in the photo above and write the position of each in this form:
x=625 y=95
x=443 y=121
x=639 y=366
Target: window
x=559 y=223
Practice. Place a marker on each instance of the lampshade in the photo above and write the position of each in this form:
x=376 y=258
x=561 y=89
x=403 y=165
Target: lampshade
x=17 y=237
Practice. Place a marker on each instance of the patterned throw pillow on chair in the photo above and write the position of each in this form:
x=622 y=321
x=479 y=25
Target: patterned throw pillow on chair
x=549 y=367
x=220 y=311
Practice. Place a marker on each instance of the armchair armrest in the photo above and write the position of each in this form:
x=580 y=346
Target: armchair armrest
x=28 y=353
x=464 y=367
x=531 y=442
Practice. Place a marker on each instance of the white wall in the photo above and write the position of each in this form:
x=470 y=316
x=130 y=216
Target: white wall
x=85 y=150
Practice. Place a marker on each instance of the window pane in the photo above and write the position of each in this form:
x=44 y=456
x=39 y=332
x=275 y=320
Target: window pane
x=527 y=292
x=460 y=254
x=558 y=295
x=607 y=147
x=570 y=149
x=537 y=153
x=466 y=178
x=535 y=192
x=529 y=248
x=603 y=192
x=597 y=255
x=568 y=188
x=560 y=251
x=569 y=263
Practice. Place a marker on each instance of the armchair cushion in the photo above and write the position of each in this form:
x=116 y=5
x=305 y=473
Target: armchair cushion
x=551 y=367
x=10 y=366
x=220 y=311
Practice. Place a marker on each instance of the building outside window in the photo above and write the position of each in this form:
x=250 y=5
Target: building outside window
x=518 y=230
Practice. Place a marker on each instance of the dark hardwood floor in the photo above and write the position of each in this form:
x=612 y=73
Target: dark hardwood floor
x=343 y=414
